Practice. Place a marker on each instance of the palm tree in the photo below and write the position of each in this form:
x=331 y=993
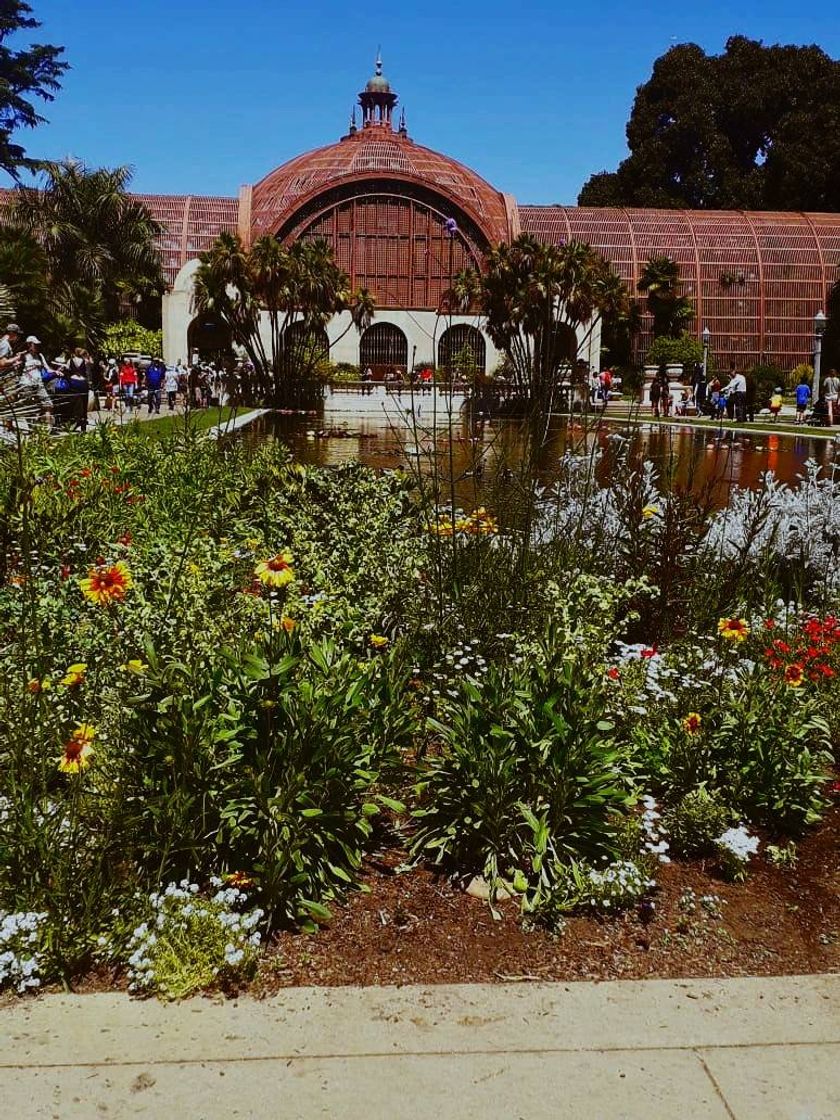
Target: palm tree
x=534 y=295
x=98 y=241
x=671 y=312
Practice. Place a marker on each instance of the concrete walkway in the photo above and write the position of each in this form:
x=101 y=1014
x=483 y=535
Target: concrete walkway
x=764 y=1049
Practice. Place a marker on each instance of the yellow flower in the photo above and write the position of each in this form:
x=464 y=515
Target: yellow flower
x=650 y=511
x=75 y=675
x=78 y=750
x=692 y=723
x=35 y=686
x=136 y=666
x=379 y=641
x=106 y=584
x=443 y=528
x=733 y=629
x=252 y=542
x=277 y=571
x=478 y=522
x=288 y=624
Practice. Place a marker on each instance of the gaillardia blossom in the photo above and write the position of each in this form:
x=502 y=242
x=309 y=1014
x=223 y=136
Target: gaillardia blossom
x=692 y=723
x=75 y=675
x=733 y=629
x=78 y=750
x=794 y=676
x=106 y=584
x=277 y=571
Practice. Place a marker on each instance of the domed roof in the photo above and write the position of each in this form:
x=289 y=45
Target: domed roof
x=376 y=152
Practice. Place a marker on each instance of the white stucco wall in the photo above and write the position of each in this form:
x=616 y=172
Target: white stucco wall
x=423 y=329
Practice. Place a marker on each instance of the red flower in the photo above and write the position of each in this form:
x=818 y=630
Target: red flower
x=64 y=571
x=85 y=472
x=651 y=651
x=769 y=624
x=614 y=674
x=125 y=539
x=834 y=788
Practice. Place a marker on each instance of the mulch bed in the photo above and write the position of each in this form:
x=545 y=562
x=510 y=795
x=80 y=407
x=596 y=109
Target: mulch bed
x=414 y=927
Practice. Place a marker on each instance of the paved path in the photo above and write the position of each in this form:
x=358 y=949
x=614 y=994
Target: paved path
x=766 y=1049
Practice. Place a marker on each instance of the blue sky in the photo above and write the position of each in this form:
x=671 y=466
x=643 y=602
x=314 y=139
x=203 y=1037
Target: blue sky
x=202 y=96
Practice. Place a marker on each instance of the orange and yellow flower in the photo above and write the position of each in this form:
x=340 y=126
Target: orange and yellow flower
x=733 y=629
x=692 y=723
x=379 y=641
x=794 y=676
x=106 y=584
x=288 y=624
x=649 y=511
x=75 y=675
x=78 y=750
x=277 y=571
x=478 y=522
x=35 y=686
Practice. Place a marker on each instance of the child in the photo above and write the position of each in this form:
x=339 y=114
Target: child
x=776 y=404
x=803 y=396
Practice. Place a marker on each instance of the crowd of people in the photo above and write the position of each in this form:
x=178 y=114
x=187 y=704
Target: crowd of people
x=67 y=388
x=735 y=397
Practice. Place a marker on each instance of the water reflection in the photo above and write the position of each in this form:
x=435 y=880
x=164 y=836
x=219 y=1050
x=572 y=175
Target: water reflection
x=474 y=456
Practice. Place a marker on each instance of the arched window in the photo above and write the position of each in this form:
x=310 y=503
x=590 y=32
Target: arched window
x=383 y=347
x=304 y=348
x=462 y=352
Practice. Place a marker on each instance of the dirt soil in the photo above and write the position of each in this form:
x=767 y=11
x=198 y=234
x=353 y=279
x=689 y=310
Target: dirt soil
x=414 y=927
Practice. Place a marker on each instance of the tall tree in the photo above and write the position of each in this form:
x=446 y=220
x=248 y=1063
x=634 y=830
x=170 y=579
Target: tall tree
x=99 y=243
x=660 y=281
x=25 y=74
x=300 y=285
x=535 y=296
x=755 y=127
x=831 y=339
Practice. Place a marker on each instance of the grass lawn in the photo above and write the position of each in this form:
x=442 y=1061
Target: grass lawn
x=199 y=420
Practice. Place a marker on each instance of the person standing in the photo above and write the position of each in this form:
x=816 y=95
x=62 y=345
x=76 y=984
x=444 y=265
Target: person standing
x=736 y=391
x=79 y=391
x=803 y=396
x=655 y=393
x=128 y=382
x=170 y=384
x=155 y=375
x=831 y=387
x=776 y=403
x=10 y=348
x=698 y=388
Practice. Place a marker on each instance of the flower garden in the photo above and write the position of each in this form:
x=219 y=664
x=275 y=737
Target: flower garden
x=264 y=722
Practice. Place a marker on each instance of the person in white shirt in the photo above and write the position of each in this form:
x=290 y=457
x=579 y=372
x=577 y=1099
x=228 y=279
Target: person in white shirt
x=738 y=388
x=170 y=384
x=831 y=387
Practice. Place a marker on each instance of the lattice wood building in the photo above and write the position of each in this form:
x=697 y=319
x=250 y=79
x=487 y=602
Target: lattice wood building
x=383 y=201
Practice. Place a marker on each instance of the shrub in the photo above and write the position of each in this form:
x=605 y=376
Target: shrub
x=126 y=335
x=522 y=774
x=695 y=822
x=685 y=351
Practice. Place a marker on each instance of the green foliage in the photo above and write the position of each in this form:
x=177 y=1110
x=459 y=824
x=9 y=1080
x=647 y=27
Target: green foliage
x=695 y=822
x=684 y=350
x=670 y=311
x=128 y=335
x=722 y=132
x=343 y=372
x=523 y=773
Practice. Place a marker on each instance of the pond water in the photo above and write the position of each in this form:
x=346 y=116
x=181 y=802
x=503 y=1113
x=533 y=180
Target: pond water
x=382 y=431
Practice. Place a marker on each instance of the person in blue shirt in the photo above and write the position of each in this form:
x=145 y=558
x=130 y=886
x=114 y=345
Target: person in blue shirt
x=155 y=375
x=803 y=396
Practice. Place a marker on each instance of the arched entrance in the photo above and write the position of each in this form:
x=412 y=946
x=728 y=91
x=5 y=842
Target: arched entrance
x=209 y=339
x=304 y=349
x=462 y=352
x=383 y=347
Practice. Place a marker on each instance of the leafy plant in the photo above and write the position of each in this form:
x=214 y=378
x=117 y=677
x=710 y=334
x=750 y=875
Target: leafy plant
x=696 y=821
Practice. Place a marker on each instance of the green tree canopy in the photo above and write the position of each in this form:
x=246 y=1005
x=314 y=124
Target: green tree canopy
x=535 y=297
x=97 y=244
x=32 y=72
x=660 y=282
x=756 y=127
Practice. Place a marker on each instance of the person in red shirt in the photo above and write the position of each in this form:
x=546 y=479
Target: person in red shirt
x=128 y=382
